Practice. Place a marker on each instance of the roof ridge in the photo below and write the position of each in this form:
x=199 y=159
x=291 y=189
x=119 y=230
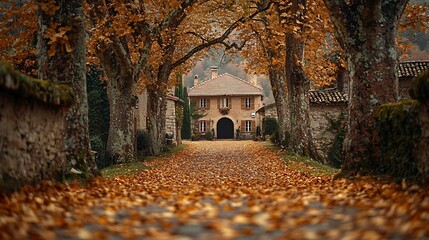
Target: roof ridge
x=205 y=81
x=218 y=76
x=240 y=79
x=415 y=61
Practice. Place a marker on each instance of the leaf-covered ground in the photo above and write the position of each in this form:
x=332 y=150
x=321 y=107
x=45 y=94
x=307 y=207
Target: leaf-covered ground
x=218 y=190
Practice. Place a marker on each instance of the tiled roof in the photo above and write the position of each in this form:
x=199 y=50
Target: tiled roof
x=412 y=68
x=224 y=85
x=328 y=96
x=320 y=96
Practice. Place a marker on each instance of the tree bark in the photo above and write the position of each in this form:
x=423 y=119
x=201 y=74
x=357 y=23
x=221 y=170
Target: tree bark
x=121 y=140
x=366 y=31
x=280 y=93
x=68 y=65
x=120 y=85
x=301 y=139
x=156 y=108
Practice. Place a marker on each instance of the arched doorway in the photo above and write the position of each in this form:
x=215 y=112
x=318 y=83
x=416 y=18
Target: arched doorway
x=225 y=129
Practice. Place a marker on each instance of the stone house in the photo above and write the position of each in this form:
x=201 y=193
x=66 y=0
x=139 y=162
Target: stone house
x=227 y=103
x=170 y=118
x=407 y=70
x=325 y=106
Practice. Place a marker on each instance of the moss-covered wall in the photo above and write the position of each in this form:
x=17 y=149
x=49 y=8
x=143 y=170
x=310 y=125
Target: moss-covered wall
x=399 y=131
x=27 y=87
x=32 y=125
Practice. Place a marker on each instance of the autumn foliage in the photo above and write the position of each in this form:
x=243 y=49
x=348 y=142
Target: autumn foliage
x=219 y=190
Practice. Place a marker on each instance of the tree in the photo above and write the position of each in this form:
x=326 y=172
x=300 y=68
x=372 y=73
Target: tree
x=98 y=115
x=186 y=125
x=301 y=140
x=18 y=27
x=61 y=48
x=178 y=92
x=287 y=47
x=135 y=47
x=366 y=30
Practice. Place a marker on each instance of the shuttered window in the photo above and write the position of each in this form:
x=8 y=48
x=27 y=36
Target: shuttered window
x=203 y=126
x=203 y=103
x=248 y=102
x=248 y=126
x=225 y=103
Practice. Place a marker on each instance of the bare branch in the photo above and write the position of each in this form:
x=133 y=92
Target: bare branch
x=262 y=6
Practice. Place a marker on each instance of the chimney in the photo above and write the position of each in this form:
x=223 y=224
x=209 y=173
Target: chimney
x=254 y=80
x=214 y=72
x=195 y=80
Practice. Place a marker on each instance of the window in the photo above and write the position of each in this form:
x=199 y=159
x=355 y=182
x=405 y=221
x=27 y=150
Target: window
x=203 y=103
x=224 y=103
x=248 y=102
x=248 y=126
x=203 y=126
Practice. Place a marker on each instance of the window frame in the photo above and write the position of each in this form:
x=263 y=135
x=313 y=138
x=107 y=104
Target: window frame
x=203 y=100
x=202 y=126
x=247 y=104
x=248 y=126
x=223 y=101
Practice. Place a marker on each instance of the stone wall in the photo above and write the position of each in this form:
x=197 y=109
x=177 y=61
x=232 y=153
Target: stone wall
x=32 y=123
x=404 y=87
x=320 y=115
x=170 y=119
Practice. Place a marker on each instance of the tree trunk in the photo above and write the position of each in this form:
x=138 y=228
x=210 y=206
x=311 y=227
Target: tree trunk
x=301 y=140
x=280 y=92
x=121 y=140
x=68 y=64
x=373 y=81
x=156 y=109
x=366 y=31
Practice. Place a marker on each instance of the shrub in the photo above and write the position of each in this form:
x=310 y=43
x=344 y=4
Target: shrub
x=208 y=135
x=420 y=87
x=399 y=131
x=195 y=137
x=335 y=153
x=100 y=158
x=143 y=143
x=270 y=125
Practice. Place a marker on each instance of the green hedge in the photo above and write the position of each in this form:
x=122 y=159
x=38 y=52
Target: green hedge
x=399 y=131
x=270 y=125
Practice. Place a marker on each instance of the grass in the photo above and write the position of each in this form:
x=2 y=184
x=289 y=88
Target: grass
x=132 y=168
x=126 y=169
x=301 y=163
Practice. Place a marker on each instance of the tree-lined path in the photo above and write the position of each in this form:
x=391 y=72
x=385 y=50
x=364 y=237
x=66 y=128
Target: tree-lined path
x=218 y=190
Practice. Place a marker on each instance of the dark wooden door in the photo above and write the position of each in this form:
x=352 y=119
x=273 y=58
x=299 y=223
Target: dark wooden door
x=225 y=129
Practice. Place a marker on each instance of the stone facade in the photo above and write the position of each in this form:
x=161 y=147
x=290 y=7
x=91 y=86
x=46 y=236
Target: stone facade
x=406 y=73
x=324 y=106
x=32 y=126
x=320 y=114
x=226 y=103
x=170 y=118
